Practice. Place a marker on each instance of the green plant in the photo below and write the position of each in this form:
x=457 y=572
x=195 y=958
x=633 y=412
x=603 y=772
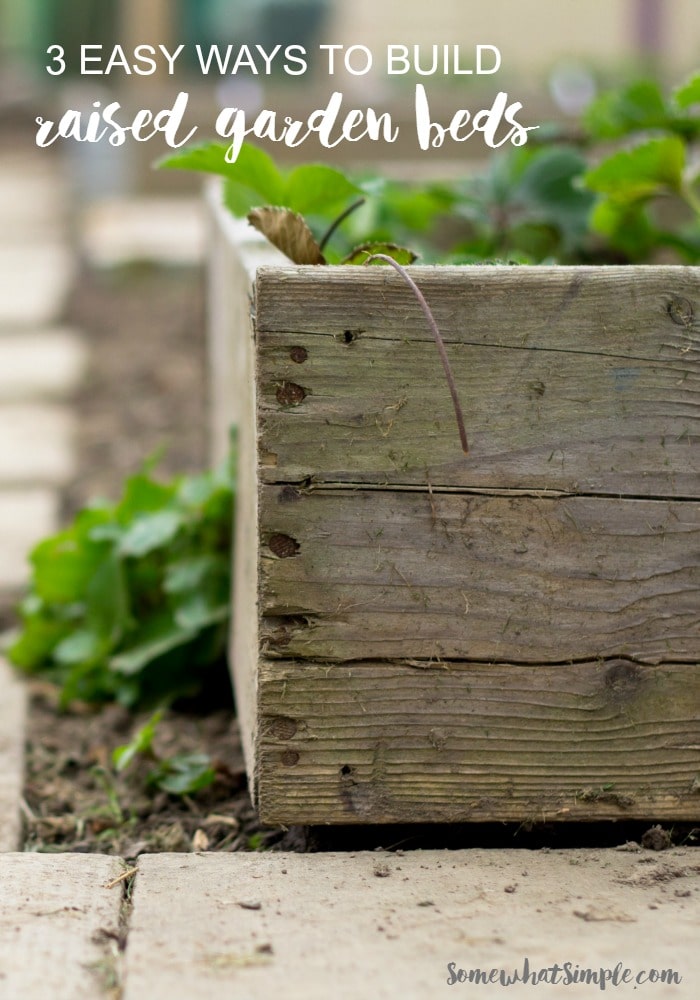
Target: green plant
x=286 y=205
x=542 y=202
x=181 y=774
x=527 y=207
x=114 y=809
x=131 y=600
x=649 y=191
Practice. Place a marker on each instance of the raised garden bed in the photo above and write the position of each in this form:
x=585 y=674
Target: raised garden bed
x=423 y=636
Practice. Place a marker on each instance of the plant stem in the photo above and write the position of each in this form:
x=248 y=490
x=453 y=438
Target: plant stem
x=439 y=342
x=341 y=218
x=691 y=198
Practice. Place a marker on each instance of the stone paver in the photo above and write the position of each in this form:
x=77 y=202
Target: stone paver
x=32 y=200
x=40 y=364
x=13 y=705
x=386 y=926
x=169 y=230
x=34 y=282
x=26 y=516
x=36 y=443
x=58 y=926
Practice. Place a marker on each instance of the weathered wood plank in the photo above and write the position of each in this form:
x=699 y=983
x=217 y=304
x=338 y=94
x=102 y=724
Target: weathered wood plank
x=347 y=575
x=238 y=358
x=379 y=742
x=619 y=311
x=579 y=379
x=236 y=250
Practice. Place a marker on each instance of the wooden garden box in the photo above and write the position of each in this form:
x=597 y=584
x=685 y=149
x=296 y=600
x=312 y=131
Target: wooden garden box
x=512 y=635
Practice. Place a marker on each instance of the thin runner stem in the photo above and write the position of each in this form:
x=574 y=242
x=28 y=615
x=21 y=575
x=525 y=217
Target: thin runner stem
x=341 y=218
x=439 y=342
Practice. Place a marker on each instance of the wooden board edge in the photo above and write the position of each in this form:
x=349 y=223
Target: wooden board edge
x=381 y=742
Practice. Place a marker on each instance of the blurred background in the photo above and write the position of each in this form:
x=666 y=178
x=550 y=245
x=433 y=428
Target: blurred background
x=555 y=55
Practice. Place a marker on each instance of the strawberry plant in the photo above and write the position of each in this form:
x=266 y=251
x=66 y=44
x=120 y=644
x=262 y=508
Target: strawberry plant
x=131 y=600
x=649 y=191
x=548 y=201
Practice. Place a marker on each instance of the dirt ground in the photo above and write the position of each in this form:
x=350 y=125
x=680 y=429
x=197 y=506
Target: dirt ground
x=146 y=390
x=146 y=386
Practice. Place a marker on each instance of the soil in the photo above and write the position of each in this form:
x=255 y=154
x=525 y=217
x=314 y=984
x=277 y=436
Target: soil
x=146 y=390
x=74 y=799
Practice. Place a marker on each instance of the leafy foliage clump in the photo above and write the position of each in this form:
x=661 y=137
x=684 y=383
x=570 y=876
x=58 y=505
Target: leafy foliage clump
x=131 y=601
x=649 y=190
x=624 y=188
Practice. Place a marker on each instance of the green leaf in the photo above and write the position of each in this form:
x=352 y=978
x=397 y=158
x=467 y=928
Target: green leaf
x=195 y=491
x=252 y=179
x=143 y=495
x=238 y=199
x=163 y=640
x=548 y=180
x=189 y=574
x=209 y=158
x=81 y=647
x=411 y=209
x=626 y=227
x=255 y=180
x=197 y=612
x=317 y=189
x=548 y=188
x=98 y=614
x=689 y=93
x=255 y=169
x=149 y=532
x=641 y=172
x=62 y=568
x=638 y=106
x=105 y=533
x=37 y=640
x=183 y=774
x=107 y=600
x=363 y=253
x=141 y=743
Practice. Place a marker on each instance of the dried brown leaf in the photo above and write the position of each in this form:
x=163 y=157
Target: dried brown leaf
x=289 y=232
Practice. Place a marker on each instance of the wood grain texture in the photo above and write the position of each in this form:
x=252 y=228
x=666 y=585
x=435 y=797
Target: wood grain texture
x=385 y=573
x=424 y=637
x=581 y=379
x=381 y=742
x=234 y=273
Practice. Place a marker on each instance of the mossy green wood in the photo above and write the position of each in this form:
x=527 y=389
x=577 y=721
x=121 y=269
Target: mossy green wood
x=512 y=634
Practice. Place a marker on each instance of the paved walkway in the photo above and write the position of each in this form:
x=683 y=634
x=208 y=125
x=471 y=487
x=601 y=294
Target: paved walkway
x=265 y=926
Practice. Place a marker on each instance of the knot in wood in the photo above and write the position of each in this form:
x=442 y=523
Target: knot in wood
x=298 y=355
x=289 y=494
x=623 y=678
x=289 y=758
x=283 y=546
x=681 y=311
